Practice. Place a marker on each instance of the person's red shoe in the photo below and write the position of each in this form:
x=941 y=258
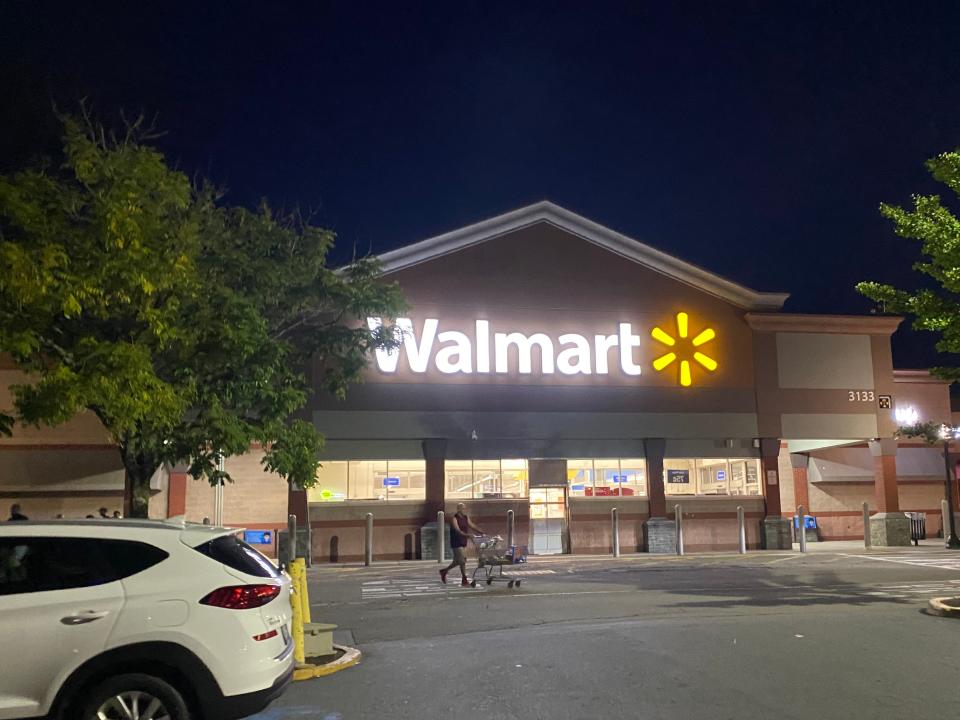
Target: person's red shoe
x=443 y=576
x=464 y=583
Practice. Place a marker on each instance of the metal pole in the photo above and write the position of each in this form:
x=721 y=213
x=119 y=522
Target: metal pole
x=944 y=511
x=509 y=528
x=615 y=531
x=218 y=494
x=441 y=537
x=866 y=525
x=742 y=530
x=292 y=536
x=678 y=515
x=952 y=543
x=368 y=544
x=803 y=530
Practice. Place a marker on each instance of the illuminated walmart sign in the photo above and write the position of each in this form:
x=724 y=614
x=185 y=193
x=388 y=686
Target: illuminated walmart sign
x=484 y=353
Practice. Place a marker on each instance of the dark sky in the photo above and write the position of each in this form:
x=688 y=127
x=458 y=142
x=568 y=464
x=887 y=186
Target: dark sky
x=754 y=139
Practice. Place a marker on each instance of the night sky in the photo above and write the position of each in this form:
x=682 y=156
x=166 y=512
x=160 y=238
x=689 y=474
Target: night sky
x=754 y=139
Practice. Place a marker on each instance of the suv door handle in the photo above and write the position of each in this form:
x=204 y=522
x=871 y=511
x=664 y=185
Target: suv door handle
x=84 y=617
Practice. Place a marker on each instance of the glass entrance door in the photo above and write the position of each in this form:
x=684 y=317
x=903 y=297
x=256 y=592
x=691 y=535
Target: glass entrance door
x=548 y=520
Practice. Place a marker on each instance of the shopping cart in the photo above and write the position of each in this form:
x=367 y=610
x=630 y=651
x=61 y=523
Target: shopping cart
x=492 y=555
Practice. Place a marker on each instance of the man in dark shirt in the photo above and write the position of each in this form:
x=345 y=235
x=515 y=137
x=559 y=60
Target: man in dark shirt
x=15 y=513
x=460 y=527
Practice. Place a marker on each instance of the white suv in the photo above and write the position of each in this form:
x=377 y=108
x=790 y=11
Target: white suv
x=138 y=620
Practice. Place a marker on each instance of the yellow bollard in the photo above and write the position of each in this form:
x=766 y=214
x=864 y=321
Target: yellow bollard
x=302 y=589
x=296 y=605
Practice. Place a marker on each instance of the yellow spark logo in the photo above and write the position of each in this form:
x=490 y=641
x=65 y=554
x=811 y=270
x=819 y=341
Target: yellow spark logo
x=683 y=328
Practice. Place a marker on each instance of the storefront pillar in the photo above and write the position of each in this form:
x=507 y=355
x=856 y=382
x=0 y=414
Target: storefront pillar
x=297 y=505
x=653 y=450
x=660 y=532
x=888 y=527
x=434 y=453
x=776 y=528
x=801 y=488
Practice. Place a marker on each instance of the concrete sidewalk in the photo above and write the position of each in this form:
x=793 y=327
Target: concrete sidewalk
x=934 y=545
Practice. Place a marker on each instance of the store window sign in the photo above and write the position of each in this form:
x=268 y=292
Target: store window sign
x=678 y=477
x=484 y=353
x=391 y=482
x=721 y=475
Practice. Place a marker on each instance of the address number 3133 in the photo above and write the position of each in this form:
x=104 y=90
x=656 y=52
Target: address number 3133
x=861 y=396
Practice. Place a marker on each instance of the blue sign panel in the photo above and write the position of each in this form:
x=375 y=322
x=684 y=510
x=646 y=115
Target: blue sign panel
x=721 y=475
x=576 y=488
x=258 y=537
x=391 y=482
x=619 y=478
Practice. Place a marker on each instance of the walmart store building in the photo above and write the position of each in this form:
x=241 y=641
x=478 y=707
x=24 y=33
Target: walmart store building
x=556 y=368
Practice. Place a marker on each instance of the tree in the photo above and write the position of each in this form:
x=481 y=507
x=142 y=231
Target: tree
x=188 y=327
x=935 y=309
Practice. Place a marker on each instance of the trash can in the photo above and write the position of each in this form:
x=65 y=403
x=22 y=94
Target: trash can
x=918 y=526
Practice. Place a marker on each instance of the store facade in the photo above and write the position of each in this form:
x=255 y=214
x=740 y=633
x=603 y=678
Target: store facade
x=552 y=367
x=555 y=368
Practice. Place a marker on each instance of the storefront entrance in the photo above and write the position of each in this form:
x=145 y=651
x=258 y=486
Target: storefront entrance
x=548 y=520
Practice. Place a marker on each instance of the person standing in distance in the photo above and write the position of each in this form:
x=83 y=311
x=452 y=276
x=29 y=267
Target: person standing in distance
x=15 y=514
x=460 y=527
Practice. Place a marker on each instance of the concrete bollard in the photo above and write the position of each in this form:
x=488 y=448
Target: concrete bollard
x=615 y=531
x=678 y=516
x=441 y=537
x=866 y=525
x=368 y=544
x=742 y=530
x=291 y=538
x=803 y=529
x=509 y=529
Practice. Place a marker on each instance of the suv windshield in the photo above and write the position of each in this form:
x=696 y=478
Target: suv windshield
x=235 y=553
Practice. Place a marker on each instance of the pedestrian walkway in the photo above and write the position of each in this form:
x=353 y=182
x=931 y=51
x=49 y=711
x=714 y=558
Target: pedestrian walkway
x=937 y=560
x=394 y=588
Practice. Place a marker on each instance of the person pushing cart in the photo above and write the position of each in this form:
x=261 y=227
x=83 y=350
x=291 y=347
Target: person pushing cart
x=460 y=527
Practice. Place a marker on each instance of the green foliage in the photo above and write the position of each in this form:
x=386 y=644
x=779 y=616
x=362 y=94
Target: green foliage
x=938 y=230
x=929 y=432
x=187 y=326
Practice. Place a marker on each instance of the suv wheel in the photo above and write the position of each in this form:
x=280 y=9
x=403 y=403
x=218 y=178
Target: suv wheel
x=135 y=697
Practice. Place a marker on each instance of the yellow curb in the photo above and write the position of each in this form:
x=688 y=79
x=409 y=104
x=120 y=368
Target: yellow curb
x=350 y=658
x=940 y=606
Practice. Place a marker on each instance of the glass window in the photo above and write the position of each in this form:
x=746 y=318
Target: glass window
x=633 y=472
x=712 y=476
x=235 y=553
x=331 y=483
x=679 y=476
x=580 y=478
x=39 y=564
x=365 y=479
x=513 y=476
x=606 y=478
x=410 y=477
x=459 y=479
x=486 y=479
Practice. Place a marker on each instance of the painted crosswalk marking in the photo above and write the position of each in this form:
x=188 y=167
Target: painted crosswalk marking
x=915 y=589
x=928 y=561
x=418 y=587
